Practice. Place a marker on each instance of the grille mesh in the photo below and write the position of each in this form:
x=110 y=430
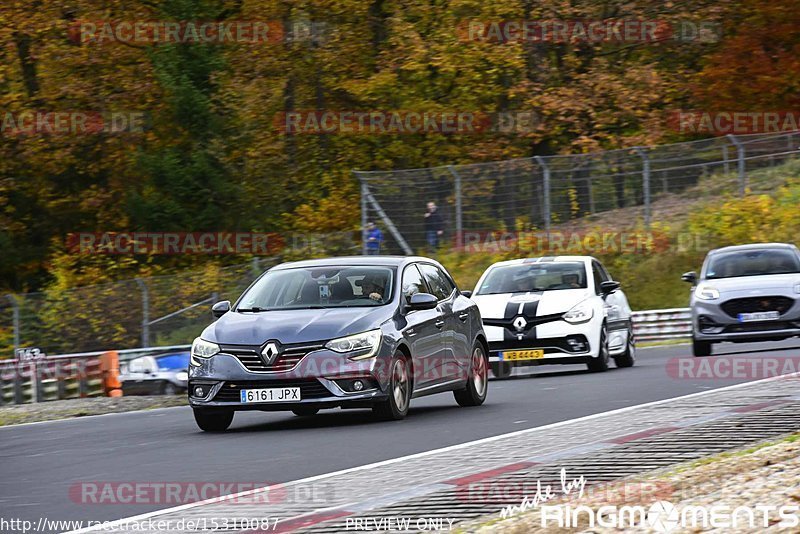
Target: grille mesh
x=757 y=304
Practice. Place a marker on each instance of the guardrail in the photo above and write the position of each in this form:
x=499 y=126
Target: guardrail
x=62 y=376
x=67 y=376
x=655 y=325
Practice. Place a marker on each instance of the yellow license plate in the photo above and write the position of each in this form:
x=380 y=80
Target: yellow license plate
x=514 y=355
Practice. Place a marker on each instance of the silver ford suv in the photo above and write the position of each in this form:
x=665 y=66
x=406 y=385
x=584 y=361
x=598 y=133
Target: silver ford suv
x=745 y=293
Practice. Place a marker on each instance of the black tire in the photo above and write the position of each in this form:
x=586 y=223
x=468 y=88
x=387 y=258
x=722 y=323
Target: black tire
x=627 y=358
x=305 y=411
x=474 y=393
x=168 y=388
x=600 y=364
x=213 y=420
x=395 y=407
x=501 y=369
x=701 y=348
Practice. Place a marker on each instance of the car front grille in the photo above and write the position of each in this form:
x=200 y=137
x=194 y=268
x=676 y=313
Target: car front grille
x=251 y=358
x=734 y=307
x=309 y=388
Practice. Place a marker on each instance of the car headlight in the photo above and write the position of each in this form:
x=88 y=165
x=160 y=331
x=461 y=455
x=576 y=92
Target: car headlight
x=580 y=313
x=183 y=376
x=202 y=349
x=363 y=346
x=704 y=292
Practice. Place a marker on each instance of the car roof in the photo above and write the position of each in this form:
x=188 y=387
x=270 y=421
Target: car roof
x=544 y=259
x=343 y=261
x=753 y=246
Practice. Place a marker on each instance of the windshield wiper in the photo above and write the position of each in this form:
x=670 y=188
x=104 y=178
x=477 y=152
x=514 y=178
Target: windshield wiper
x=255 y=309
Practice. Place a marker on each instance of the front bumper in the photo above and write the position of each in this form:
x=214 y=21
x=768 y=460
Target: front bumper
x=710 y=322
x=562 y=342
x=324 y=377
x=560 y=350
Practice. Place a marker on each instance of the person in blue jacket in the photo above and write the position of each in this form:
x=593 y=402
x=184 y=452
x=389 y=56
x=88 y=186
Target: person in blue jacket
x=374 y=239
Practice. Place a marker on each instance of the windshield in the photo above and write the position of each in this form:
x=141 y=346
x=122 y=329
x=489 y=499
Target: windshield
x=319 y=287
x=534 y=277
x=752 y=263
x=173 y=361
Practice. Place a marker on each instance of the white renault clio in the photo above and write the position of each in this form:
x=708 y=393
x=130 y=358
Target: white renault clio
x=562 y=309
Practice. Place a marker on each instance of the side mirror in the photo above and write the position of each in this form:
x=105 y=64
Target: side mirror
x=608 y=287
x=422 y=301
x=467 y=294
x=690 y=277
x=221 y=308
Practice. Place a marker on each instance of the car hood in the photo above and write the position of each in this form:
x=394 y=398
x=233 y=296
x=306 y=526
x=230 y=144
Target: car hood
x=504 y=305
x=294 y=326
x=761 y=284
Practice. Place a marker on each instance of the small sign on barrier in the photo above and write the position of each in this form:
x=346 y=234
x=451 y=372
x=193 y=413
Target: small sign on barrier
x=29 y=354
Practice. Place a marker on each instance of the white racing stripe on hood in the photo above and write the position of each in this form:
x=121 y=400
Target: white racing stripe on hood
x=561 y=300
x=492 y=306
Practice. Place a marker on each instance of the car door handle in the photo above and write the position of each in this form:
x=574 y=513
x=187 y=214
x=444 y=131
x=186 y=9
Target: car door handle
x=439 y=323
x=463 y=316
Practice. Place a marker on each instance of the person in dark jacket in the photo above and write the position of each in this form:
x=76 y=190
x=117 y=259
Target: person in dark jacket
x=434 y=226
x=374 y=239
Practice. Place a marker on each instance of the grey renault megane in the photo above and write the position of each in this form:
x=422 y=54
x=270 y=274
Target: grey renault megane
x=359 y=332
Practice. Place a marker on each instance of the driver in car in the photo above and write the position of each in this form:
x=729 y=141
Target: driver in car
x=571 y=281
x=373 y=286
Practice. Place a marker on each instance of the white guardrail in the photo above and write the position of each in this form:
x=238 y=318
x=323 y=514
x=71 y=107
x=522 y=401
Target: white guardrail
x=654 y=325
x=65 y=376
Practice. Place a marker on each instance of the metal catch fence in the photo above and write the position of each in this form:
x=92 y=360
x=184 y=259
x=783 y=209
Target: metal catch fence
x=160 y=310
x=539 y=192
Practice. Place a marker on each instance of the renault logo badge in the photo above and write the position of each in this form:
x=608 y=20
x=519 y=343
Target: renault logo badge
x=270 y=352
x=520 y=323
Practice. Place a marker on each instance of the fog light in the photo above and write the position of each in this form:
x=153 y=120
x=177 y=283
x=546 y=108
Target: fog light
x=358 y=385
x=576 y=344
x=200 y=391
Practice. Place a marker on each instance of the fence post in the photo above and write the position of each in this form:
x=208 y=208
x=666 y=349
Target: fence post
x=364 y=221
x=740 y=156
x=726 y=166
x=459 y=213
x=145 y=312
x=61 y=386
x=645 y=183
x=389 y=224
x=15 y=319
x=546 y=195
x=18 y=396
x=35 y=393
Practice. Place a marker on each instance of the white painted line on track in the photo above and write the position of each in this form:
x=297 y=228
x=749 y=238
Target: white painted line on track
x=141 y=517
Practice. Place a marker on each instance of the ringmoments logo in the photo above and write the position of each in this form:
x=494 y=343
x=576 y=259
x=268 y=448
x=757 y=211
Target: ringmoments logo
x=663 y=516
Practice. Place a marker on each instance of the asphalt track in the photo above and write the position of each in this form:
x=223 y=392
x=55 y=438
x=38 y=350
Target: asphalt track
x=40 y=462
